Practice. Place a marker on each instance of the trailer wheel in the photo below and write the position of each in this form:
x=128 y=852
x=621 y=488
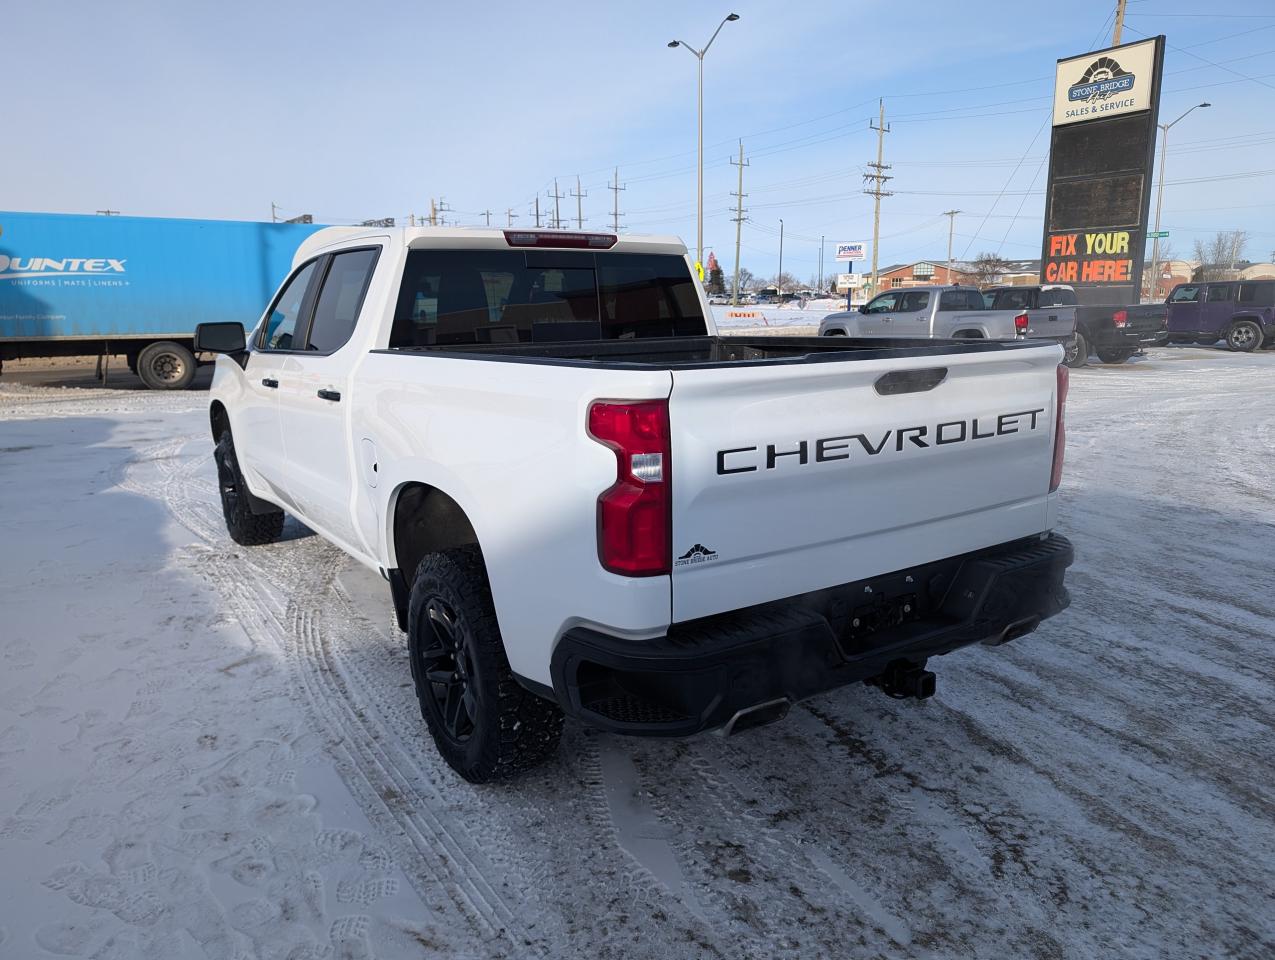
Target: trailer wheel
x=166 y=366
x=485 y=725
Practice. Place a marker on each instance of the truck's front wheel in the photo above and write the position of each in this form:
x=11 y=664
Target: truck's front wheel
x=166 y=366
x=245 y=527
x=485 y=725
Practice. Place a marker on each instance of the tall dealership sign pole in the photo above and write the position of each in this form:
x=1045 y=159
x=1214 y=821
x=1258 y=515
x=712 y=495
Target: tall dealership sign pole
x=1101 y=152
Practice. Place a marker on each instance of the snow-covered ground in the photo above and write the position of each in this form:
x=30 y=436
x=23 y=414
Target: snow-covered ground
x=208 y=751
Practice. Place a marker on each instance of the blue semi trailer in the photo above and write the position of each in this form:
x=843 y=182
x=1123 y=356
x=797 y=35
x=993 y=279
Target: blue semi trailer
x=133 y=286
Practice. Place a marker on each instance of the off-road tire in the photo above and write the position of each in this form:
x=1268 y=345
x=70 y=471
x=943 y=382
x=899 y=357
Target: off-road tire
x=1244 y=336
x=1076 y=353
x=511 y=729
x=1115 y=354
x=245 y=527
x=166 y=366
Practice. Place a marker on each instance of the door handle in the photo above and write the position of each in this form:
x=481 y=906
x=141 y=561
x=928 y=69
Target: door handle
x=333 y=395
x=270 y=382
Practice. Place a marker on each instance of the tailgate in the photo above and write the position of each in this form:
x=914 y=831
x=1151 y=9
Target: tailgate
x=793 y=477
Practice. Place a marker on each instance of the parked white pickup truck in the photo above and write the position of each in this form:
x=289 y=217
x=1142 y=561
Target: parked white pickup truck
x=585 y=502
x=956 y=312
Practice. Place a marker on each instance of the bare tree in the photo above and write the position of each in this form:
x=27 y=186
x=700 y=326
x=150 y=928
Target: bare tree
x=987 y=267
x=1219 y=255
x=786 y=282
x=746 y=279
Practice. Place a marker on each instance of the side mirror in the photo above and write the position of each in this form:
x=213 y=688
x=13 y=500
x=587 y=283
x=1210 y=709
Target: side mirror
x=863 y=308
x=220 y=338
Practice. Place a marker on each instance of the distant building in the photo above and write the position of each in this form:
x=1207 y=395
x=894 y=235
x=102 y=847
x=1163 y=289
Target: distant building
x=1172 y=272
x=919 y=274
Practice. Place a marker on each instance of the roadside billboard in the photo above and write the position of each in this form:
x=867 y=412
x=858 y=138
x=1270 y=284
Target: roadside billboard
x=851 y=251
x=1102 y=148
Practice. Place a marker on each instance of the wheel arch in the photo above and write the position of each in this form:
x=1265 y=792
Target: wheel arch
x=421 y=519
x=218 y=418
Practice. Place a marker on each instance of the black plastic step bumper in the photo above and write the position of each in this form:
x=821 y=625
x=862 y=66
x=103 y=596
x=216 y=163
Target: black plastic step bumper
x=707 y=673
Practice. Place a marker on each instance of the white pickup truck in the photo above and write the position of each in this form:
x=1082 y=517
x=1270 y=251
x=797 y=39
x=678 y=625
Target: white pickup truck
x=585 y=502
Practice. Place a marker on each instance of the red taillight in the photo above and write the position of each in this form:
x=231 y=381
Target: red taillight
x=634 y=513
x=1021 y=323
x=1120 y=318
x=556 y=238
x=1060 y=428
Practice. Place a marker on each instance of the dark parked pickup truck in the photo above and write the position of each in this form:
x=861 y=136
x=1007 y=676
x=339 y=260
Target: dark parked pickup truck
x=1112 y=331
x=1242 y=312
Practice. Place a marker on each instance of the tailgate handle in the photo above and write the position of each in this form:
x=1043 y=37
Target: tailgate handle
x=910 y=381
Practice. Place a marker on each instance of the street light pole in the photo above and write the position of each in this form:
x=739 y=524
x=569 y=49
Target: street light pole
x=699 y=218
x=1159 y=199
x=779 y=280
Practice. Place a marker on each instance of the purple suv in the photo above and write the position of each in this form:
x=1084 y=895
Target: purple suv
x=1240 y=311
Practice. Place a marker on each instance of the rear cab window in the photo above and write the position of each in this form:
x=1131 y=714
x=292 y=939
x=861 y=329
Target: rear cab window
x=1057 y=297
x=469 y=297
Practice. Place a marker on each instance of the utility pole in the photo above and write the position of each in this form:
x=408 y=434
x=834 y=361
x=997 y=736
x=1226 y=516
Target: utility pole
x=108 y=213
x=556 y=223
x=739 y=220
x=779 y=280
x=487 y=214
x=433 y=213
x=579 y=195
x=615 y=189
x=821 y=245
x=877 y=191
x=951 y=225
x=443 y=208
x=1115 y=34
x=510 y=217
x=537 y=211
x=273 y=217
x=411 y=218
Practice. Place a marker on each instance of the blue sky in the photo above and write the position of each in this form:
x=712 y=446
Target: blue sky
x=352 y=111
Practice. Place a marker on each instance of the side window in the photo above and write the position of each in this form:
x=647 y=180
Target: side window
x=337 y=309
x=914 y=301
x=1218 y=292
x=1189 y=293
x=886 y=303
x=961 y=300
x=1261 y=294
x=1013 y=299
x=281 y=324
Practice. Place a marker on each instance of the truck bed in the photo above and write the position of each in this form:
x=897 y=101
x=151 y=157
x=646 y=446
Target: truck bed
x=707 y=352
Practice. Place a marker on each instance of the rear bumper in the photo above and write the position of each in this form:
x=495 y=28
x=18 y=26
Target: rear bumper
x=703 y=673
x=1132 y=336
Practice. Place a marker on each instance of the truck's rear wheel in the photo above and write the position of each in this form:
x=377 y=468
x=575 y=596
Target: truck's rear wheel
x=245 y=527
x=166 y=366
x=1115 y=354
x=485 y=725
x=1244 y=335
x=1076 y=353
